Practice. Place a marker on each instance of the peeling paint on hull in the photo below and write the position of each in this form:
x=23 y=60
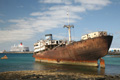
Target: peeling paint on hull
x=85 y=52
x=84 y=63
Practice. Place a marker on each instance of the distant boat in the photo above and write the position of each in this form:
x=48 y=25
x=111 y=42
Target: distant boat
x=4 y=57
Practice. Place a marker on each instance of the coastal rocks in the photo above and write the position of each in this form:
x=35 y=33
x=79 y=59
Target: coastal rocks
x=51 y=75
x=110 y=77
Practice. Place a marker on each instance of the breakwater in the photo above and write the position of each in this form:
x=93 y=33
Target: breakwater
x=113 y=53
x=29 y=52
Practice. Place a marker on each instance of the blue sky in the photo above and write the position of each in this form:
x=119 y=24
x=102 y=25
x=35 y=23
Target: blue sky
x=29 y=20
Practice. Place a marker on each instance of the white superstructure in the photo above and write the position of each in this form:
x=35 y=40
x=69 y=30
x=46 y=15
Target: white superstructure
x=19 y=48
x=94 y=34
x=47 y=44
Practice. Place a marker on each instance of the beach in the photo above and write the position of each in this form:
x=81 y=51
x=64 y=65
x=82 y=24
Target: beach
x=52 y=75
x=46 y=75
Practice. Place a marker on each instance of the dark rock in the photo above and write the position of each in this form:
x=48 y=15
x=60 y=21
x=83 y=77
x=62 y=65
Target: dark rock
x=26 y=77
x=82 y=79
x=117 y=76
x=37 y=76
x=99 y=78
x=111 y=76
x=106 y=75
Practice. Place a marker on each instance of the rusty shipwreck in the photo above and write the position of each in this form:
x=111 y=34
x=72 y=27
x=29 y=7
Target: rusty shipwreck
x=87 y=51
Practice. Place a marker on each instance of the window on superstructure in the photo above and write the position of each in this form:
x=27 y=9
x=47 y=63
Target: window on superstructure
x=56 y=42
x=60 y=41
x=88 y=36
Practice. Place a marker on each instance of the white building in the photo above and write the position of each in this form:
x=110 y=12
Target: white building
x=114 y=50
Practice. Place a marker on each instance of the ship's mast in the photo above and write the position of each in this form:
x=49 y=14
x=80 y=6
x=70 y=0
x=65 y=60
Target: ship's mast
x=69 y=27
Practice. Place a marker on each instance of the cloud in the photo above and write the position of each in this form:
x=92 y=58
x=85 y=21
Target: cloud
x=53 y=17
x=56 y=1
x=86 y=2
x=1 y=21
x=50 y=1
x=13 y=35
x=93 y=2
x=72 y=8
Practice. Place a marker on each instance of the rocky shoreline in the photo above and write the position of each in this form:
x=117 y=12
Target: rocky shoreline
x=52 y=75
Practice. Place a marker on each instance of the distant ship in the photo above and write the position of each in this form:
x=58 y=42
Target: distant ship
x=19 y=48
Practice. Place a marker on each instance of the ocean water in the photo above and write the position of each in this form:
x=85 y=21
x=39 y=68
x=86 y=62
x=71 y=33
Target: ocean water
x=19 y=62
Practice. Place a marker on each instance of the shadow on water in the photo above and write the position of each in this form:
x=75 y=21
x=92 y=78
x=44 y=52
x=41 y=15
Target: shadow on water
x=69 y=68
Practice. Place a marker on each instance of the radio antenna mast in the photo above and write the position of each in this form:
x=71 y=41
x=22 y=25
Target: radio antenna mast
x=69 y=27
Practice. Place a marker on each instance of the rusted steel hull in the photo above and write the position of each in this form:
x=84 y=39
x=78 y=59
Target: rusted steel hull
x=86 y=52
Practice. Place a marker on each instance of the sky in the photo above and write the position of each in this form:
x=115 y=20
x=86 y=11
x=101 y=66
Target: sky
x=27 y=21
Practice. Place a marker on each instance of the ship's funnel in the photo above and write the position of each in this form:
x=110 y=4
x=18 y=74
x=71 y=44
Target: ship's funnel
x=21 y=43
x=48 y=36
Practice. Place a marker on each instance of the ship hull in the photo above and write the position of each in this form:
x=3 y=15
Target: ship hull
x=86 y=52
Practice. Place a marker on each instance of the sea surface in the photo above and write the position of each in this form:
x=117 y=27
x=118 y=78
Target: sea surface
x=20 y=62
